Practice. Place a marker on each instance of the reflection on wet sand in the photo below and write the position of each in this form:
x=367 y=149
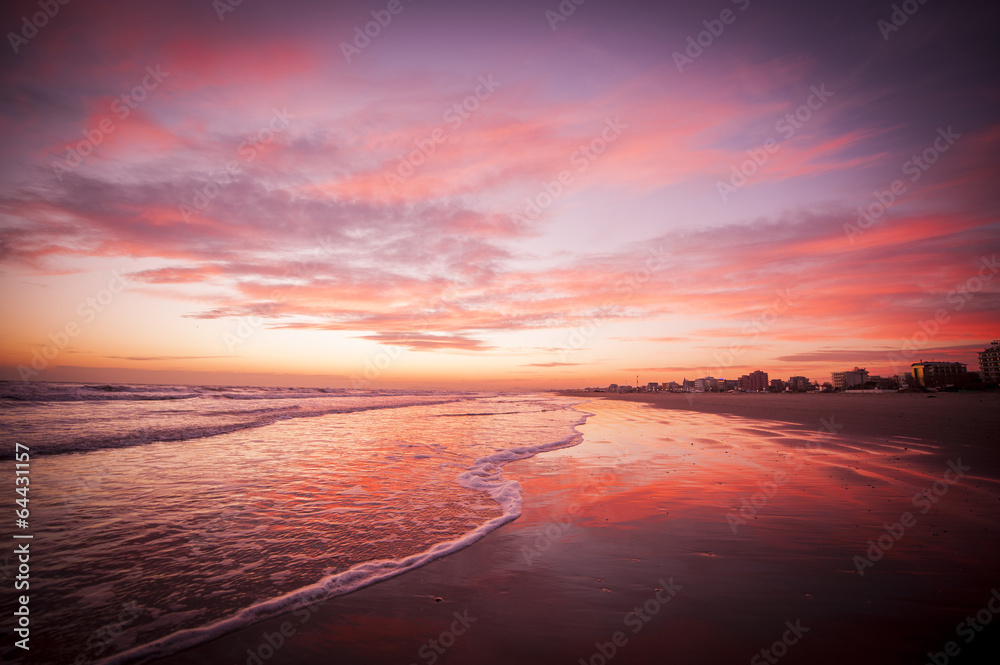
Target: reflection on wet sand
x=647 y=500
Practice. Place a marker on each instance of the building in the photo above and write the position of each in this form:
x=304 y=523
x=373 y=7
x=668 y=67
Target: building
x=652 y=387
x=940 y=375
x=755 y=382
x=855 y=377
x=884 y=382
x=989 y=363
x=706 y=384
x=777 y=386
x=799 y=384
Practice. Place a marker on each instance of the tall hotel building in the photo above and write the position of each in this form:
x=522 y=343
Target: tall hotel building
x=989 y=363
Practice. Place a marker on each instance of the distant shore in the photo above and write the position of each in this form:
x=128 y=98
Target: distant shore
x=944 y=418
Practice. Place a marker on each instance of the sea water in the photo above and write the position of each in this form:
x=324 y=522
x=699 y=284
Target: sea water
x=162 y=516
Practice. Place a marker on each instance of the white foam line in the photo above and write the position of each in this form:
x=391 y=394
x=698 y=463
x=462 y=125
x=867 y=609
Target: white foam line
x=182 y=434
x=486 y=474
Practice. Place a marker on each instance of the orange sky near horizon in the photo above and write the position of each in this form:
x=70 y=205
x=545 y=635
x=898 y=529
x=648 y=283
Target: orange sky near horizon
x=487 y=197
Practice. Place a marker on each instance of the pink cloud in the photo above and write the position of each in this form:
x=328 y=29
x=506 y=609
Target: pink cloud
x=309 y=233
x=427 y=342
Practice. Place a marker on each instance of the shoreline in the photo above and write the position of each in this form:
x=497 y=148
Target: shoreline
x=971 y=418
x=635 y=517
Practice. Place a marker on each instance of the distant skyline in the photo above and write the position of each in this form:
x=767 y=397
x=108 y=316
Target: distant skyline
x=495 y=195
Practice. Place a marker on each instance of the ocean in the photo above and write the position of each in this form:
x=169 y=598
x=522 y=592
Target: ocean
x=162 y=516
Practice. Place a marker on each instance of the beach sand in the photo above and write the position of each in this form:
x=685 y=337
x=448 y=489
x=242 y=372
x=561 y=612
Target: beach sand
x=953 y=420
x=632 y=547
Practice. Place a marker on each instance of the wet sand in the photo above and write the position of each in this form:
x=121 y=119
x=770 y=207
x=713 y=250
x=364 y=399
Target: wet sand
x=633 y=548
x=951 y=418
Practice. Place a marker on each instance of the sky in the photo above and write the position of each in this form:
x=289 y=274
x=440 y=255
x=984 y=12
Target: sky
x=489 y=195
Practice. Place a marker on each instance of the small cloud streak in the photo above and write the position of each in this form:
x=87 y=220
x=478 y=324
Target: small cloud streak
x=154 y=358
x=427 y=341
x=863 y=356
x=553 y=364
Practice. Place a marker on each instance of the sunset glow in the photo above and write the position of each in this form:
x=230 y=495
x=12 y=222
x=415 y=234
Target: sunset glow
x=494 y=195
